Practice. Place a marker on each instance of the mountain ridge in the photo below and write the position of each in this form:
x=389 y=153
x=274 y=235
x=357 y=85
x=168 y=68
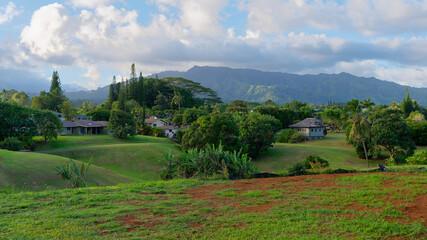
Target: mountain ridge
x=260 y=86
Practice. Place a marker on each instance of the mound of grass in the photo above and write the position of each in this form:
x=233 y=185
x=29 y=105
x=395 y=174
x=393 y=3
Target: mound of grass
x=361 y=206
x=138 y=161
x=25 y=171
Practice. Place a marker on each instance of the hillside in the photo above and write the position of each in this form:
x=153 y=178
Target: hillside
x=25 y=171
x=337 y=206
x=258 y=86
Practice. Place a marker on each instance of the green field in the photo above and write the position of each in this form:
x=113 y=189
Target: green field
x=359 y=206
x=333 y=149
x=24 y=171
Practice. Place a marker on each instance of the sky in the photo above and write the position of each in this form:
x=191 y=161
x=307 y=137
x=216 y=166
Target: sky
x=89 y=41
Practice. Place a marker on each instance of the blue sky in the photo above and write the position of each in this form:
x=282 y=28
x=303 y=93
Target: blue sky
x=89 y=41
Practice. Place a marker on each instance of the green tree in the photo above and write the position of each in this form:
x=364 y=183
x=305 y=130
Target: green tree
x=48 y=124
x=407 y=105
x=359 y=130
x=56 y=96
x=214 y=128
x=334 y=118
x=257 y=133
x=177 y=99
x=21 y=99
x=390 y=131
x=68 y=110
x=238 y=106
x=122 y=124
x=16 y=121
x=100 y=114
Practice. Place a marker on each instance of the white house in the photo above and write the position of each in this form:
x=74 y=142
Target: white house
x=311 y=128
x=156 y=122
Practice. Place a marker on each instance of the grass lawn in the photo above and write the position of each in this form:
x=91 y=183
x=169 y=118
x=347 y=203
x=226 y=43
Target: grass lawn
x=340 y=206
x=92 y=140
x=333 y=148
x=138 y=161
x=25 y=171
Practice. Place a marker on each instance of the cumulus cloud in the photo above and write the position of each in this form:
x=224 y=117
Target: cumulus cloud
x=415 y=76
x=88 y=3
x=7 y=13
x=189 y=32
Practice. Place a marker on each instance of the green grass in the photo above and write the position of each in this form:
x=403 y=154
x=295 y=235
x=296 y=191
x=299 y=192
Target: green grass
x=333 y=149
x=351 y=206
x=138 y=161
x=25 y=171
x=92 y=140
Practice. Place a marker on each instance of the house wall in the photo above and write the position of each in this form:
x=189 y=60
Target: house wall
x=158 y=123
x=316 y=133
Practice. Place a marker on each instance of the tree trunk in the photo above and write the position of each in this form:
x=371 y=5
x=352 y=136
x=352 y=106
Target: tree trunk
x=366 y=154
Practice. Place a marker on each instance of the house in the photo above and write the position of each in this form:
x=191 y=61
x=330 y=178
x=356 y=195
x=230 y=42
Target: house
x=311 y=128
x=84 y=127
x=156 y=122
x=170 y=131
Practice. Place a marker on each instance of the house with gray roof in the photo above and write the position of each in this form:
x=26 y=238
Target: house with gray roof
x=84 y=127
x=311 y=128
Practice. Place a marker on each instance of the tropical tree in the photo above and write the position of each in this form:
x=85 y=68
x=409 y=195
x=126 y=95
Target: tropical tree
x=68 y=110
x=390 y=130
x=122 y=124
x=177 y=99
x=48 y=124
x=359 y=129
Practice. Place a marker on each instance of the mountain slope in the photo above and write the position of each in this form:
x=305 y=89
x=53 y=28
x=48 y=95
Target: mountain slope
x=257 y=86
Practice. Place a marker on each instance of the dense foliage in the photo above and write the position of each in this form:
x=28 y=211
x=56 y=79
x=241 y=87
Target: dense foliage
x=207 y=162
x=122 y=124
x=312 y=161
x=419 y=158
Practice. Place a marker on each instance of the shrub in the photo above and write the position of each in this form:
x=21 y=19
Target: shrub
x=179 y=134
x=72 y=174
x=206 y=163
x=157 y=132
x=296 y=138
x=419 y=158
x=311 y=162
x=11 y=144
x=285 y=135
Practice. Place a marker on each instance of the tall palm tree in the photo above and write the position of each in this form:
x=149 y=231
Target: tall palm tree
x=359 y=129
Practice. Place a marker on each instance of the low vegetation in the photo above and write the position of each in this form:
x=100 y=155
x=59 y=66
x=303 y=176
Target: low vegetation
x=361 y=206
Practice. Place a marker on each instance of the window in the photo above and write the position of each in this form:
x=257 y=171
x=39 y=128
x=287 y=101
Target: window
x=68 y=129
x=312 y=129
x=154 y=124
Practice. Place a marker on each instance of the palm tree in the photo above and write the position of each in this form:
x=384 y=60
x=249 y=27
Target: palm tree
x=366 y=103
x=177 y=99
x=359 y=129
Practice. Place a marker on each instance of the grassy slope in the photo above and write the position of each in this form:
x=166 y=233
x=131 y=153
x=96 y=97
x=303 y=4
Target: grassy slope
x=333 y=148
x=139 y=161
x=368 y=206
x=35 y=172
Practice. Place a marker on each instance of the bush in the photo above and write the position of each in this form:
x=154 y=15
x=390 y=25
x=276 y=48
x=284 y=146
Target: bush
x=419 y=158
x=285 y=135
x=11 y=144
x=311 y=162
x=207 y=163
x=157 y=132
x=296 y=138
x=179 y=134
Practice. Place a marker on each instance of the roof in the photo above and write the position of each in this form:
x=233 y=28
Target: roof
x=169 y=127
x=309 y=123
x=84 y=123
x=153 y=120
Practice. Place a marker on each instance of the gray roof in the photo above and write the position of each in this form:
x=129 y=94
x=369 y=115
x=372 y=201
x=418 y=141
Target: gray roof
x=309 y=123
x=84 y=123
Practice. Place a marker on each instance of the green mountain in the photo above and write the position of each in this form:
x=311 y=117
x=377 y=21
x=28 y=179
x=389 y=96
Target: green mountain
x=258 y=86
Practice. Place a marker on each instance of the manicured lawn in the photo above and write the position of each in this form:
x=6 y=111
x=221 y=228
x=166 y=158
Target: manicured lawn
x=340 y=206
x=333 y=148
x=25 y=171
x=138 y=161
x=92 y=140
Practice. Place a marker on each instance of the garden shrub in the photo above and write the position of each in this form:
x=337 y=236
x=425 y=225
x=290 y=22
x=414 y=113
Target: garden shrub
x=11 y=144
x=285 y=135
x=419 y=158
x=157 y=132
x=311 y=162
x=206 y=163
x=296 y=138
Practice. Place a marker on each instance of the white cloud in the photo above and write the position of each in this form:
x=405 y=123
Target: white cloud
x=88 y=3
x=49 y=32
x=7 y=13
x=415 y=76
